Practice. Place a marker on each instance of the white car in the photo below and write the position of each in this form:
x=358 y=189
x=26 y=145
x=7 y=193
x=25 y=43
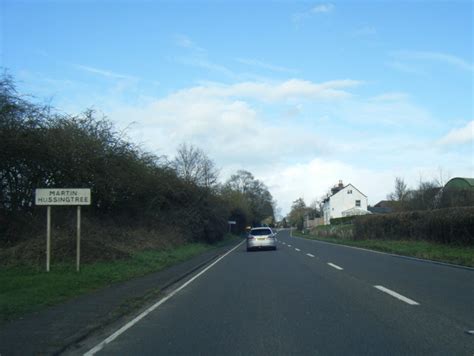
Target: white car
x=261 y=238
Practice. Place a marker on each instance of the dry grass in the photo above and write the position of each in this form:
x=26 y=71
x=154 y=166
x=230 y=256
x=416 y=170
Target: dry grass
x=98 y=243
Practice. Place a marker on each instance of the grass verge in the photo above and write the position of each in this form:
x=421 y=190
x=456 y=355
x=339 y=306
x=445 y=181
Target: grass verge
x=459 y=255
x=27 y=289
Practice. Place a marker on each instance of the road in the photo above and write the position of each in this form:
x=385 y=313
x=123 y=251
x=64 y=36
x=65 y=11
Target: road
x=310 y=298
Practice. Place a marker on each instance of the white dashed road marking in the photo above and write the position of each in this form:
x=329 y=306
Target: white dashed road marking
x=289 y=245
x=335 y=266
x=297 y=249
x=396 y=295
x=310 y=255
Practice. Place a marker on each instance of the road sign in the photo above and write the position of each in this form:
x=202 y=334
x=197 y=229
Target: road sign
x=63 y=196
x=232 y=222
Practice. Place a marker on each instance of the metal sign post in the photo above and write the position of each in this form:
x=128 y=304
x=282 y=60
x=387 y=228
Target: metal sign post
x=78 y=246
x=48 y=237
x=63 y=196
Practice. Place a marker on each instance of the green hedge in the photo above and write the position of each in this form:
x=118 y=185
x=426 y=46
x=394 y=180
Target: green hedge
x=449 y=226
x=344 y=220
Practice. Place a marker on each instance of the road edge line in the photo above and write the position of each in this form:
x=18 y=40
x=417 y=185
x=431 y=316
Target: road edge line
x=127 y=326
x=391 y=254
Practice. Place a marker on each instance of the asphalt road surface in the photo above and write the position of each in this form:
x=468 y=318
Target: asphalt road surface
x=310 y=298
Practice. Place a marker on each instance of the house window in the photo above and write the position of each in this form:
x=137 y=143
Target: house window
x=349 y=192
x=358 y=203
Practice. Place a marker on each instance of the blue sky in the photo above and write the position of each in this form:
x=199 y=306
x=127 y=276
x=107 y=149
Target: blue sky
x=302 y=94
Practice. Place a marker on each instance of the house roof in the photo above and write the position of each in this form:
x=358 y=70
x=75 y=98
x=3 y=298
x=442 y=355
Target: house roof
x=391 y=204
x=379 y=210
x=345 y=188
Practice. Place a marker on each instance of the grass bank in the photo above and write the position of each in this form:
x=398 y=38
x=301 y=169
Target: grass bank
x=29 y=288
x=459 y=255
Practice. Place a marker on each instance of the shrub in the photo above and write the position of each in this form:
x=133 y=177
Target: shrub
x=344 y=220
x=448 y=226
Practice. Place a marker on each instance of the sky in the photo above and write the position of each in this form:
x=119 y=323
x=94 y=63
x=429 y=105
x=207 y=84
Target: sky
x=300 y=93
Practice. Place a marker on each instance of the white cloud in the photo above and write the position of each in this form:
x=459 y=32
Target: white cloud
x=392 y=96
x=290 y=89
x=203 y=62
x=265 y=65
x=443 y=58
x=104 y=72
x=318 y=9
x=322 y=8
x=213 y=117
x=330 y=134
x=405 y=68
x=185 y=42
x=313 y=179
x=459 y=136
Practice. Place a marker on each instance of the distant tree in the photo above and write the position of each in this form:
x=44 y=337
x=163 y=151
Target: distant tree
x=242 y=181
x=258 y=199
x=400 y=192
x=425 y=197
x=297 y=213
x=193 y=165
x=315 y=208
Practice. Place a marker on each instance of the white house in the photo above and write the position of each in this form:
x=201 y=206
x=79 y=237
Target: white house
x=344 y=201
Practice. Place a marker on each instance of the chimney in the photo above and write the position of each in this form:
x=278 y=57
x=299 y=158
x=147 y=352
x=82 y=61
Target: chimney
x=340 y=185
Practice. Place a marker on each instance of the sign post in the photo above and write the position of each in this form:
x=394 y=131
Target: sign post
x=48 y=237
x=63 y=196
x=78 y=246
x=230 y=222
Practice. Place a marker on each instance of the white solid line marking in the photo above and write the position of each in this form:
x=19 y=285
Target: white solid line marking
x=396 y=295
x=127 y=326
x=335 y=266
x=310 y=255
x=297 y=249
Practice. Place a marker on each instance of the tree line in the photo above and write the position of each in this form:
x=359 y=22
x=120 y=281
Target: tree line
x=428 y=195
x=43 y=148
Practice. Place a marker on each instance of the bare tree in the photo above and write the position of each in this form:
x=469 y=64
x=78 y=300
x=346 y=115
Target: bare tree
x=400 y=192
x=193 y=165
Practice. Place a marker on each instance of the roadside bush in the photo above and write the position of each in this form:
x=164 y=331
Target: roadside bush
x=132 y=189
x=335 y=231
x=448 y=226
x=344 y=220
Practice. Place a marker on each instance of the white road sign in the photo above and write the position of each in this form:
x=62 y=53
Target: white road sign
x=63 y=196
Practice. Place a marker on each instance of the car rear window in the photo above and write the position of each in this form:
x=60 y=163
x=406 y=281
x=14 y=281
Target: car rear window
x=260 y=232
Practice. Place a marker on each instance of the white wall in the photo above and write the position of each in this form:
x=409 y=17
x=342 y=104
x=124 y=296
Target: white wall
x=343 y=200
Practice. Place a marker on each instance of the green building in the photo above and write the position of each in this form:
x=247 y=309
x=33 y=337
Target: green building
x=458 y=192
